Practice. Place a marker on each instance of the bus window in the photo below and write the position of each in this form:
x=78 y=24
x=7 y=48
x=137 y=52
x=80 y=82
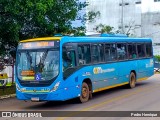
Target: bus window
x=95 y=53
x=121 y=51
x=73 y=58
x=132 y=51
x=68 y=59
x=101 y=52
x=110 y=52
x=148 y=50
x=141 y=50
x=84 y=54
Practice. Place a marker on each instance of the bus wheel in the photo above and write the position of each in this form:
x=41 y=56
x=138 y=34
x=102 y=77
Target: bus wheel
x=132 y=80
x=84 y=93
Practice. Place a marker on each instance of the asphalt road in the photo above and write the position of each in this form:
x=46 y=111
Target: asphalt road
x=144 y=97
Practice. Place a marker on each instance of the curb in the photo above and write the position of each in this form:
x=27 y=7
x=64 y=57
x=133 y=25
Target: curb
x=7 y=96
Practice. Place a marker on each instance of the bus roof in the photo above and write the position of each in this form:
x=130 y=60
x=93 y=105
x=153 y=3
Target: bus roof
x=41 y=39
x=104 y=39
x=91 y=39
x=113 y=35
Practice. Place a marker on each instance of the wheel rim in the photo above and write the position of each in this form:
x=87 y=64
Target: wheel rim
x=84 y=92
x=132 y=81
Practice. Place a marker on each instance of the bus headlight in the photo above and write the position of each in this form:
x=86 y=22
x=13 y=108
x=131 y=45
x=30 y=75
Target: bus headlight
x=17 y=87
x=55 y=86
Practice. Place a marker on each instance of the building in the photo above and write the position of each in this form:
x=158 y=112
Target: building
x=140 y=18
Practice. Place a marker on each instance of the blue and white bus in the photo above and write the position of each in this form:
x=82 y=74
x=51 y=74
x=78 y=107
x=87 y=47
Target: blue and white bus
x=62 y=68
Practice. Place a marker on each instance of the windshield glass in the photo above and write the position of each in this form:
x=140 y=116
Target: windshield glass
x=37 y=65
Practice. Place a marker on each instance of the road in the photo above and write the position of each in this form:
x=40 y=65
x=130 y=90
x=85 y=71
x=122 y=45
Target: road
x=144 y=97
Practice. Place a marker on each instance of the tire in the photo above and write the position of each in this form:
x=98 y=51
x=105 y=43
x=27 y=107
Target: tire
x=85 y=94
x=132 y=80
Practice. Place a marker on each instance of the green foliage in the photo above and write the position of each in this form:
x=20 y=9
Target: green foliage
x=104 y=28
x=8 y=90
x=157 y=57
x=23 y=19
x=90 y=16
x=101 y=28
x=79 y=31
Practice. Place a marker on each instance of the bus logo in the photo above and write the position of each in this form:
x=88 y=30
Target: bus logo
x=98 y=70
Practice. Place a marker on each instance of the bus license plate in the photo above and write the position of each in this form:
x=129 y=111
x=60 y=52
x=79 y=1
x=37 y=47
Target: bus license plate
x=35 y=99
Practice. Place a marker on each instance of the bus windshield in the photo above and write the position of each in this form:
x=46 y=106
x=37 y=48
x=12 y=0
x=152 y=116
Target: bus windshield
x=37 y=65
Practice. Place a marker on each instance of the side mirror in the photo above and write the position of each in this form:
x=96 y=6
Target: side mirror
x=12 y=52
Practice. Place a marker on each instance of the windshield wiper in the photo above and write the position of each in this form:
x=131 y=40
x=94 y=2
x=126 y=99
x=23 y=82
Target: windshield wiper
x=29 y=57
x=44 y=56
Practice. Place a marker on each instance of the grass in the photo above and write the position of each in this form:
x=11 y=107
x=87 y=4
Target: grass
x=7 y=90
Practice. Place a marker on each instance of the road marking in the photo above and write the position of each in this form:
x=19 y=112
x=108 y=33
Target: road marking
x=108 y=101
x=141 y=79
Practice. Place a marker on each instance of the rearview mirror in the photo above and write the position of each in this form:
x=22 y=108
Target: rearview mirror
x=12 y=52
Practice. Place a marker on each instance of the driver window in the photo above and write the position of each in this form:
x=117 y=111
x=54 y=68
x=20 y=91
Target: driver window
x=69 y=60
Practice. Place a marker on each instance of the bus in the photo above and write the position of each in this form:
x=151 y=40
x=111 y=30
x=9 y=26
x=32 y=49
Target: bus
x=63 y=68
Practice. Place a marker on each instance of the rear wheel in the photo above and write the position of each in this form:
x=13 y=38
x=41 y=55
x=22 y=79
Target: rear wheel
x=85 y=94
x=132 y=80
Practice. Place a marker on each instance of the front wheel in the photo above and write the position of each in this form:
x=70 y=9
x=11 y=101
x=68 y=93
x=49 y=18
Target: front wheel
x=132 y=80
x=84 y=97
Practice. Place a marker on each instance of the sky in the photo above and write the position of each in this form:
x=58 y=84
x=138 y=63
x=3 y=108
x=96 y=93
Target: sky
x=77 y=23
x=150 y=6
x=147 y=6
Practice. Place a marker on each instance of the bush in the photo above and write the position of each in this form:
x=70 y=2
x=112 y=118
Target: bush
x=157 y=57
x=7 y=90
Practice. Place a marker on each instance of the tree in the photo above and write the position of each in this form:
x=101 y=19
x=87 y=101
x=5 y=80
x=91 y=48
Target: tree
x=157 y=57
x=88 y=17
x=21 y=19
x=130 y=27
x=101 y=28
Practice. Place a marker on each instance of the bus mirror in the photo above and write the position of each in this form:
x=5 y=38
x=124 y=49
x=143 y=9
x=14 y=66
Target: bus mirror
x=12 y=52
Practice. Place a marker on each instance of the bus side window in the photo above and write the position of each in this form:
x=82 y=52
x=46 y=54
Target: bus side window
x=110 y=52
x=132 y=54
x=101 y=52
x=87 y=54
x=95 y=53
x=121 y=51
x=141 y=50
x=84 y=54
x=148 y=49
x=113 y=52
x=79 y=52
x=81 y=55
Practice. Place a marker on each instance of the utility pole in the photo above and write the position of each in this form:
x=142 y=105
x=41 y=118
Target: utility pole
x=122 y=18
